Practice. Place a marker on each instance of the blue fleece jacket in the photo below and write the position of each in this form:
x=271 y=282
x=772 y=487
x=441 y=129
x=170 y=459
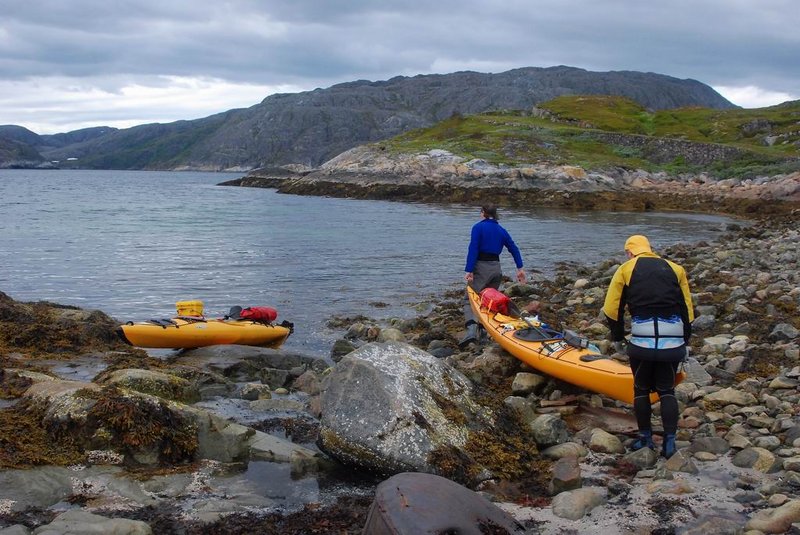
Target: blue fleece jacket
x=489 y=237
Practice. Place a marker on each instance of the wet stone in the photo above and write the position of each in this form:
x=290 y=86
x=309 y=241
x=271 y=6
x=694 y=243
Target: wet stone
x=566 y=475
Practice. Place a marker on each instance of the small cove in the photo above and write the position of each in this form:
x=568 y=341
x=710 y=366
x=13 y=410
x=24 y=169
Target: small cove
x=132 y=243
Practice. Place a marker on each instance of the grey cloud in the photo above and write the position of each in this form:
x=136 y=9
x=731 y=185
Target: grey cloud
x=282 y=41
x=317 y=43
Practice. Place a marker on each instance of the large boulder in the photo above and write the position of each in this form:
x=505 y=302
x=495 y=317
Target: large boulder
x=388 y=406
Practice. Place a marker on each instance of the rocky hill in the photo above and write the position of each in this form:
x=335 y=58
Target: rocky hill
x=311 y=127
x=16 y=154
x=19 y=147
x=583 y=152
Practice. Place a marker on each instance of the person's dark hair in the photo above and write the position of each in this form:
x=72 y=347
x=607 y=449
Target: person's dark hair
x=490 y=210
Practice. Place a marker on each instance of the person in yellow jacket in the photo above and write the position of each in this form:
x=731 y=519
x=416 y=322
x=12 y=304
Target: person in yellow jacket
x=656 y=294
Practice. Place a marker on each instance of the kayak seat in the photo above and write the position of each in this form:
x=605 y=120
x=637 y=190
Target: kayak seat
x=591 y=357
x=536 y=335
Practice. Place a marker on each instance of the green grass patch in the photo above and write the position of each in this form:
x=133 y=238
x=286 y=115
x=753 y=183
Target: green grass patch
x=573 y=130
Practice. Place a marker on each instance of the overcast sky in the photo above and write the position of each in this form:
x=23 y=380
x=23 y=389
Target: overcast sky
x=66 y=65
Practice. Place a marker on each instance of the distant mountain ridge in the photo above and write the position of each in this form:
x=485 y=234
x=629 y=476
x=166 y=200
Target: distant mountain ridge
x=313 y=126
x=21 y=147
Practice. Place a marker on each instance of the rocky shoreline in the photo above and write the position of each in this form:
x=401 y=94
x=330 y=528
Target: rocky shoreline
x=101 y=434
x=438 y=176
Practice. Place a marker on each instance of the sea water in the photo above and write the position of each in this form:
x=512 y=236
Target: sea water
x=133 y=243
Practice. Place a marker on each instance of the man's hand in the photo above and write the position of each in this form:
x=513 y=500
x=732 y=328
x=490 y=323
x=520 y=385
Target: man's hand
x=468 y=277
x=620 y=346
x=521 y=275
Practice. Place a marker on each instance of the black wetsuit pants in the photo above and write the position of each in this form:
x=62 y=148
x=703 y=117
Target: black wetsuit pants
x=654 y=376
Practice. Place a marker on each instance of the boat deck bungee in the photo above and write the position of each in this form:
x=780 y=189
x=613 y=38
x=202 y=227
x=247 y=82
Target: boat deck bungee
x=557 y=354
x=183 y=332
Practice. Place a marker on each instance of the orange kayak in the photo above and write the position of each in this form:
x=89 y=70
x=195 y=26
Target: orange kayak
x=558 y=355
x=185 y=333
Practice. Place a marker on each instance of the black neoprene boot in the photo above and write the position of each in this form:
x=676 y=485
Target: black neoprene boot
x=471 y=337
x=645 y=440
x=668 y=448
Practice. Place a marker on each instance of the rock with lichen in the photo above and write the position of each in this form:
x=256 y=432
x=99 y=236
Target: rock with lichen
x=388 y=406
x=51 y=328
x=163 y=385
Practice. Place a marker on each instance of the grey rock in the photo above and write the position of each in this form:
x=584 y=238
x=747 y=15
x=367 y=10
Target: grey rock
x=42 y=487
x=792 y=434
x=382 y=408
x=716 y=524
x=549 y=430
x=784 y=332
x=156 y=383
x=605 y=442
x=705 y=322
x=756 y=458
x=681 y=462
x=442 y=352
x=566 y=475
x=735 y=365
x=750 y=497
x=254 y=391
x=770 y=443
x=308 y=383
x=575 y=504
x=780 y=383
x=78 y=522
x=565 y=450
x=265 y=447
x=391 y=335
x=218 y=439
x=341 y=347
x=732 y=396
x=695 y=373
x=274 y=378
x=523 y=406
x=713 y=444
x=246 y=363
x=17 y=529
x=777 y=520
x=525 y=383
x=642 y=458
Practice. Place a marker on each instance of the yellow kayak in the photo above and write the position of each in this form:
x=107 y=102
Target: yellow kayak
x=557 y=355
x=186 y=332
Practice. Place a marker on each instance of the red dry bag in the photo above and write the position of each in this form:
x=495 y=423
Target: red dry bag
x=265 y=314
x=495 y=300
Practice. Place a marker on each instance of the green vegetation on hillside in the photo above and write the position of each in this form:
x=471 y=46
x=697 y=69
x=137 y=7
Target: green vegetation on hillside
x=599 y=132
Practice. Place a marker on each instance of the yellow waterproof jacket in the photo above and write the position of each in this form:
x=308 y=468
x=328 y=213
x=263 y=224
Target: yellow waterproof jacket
x=649 y=286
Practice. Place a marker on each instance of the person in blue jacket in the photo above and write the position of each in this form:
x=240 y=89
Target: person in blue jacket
x=482 y=270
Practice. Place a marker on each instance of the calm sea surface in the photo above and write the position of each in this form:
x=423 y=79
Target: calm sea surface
x=132 y=243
